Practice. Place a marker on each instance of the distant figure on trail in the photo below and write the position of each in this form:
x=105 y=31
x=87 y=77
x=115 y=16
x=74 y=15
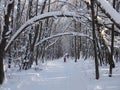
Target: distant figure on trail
x=66 y=56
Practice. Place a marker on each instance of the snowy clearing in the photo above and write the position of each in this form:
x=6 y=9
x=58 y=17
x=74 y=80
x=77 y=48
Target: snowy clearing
x=57 y=75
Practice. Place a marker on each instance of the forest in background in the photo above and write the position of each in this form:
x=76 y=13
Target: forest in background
x=39 y=30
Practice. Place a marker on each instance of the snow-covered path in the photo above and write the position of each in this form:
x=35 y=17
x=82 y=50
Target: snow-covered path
x=57 y=75
x=60 y=77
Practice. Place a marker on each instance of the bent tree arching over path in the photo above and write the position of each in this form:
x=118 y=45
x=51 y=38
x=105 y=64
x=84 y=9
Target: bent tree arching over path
x=63 y=34
x=30 y=22
x=38 y=18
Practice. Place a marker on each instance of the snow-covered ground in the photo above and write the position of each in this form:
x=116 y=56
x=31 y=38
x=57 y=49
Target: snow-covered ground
x=57 y=75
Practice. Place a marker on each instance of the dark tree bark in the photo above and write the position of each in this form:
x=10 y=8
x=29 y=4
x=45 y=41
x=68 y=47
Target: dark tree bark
x=4 y=38
x=2 y=46
x=46 y=25
x=9 y=60
x=94 y=40
x=75 y=49
x=111 y=62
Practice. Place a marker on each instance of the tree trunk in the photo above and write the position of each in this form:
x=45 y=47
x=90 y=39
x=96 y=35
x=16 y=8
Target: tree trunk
x=2 y=46
x=9 y=60
x=111 y=62
x=94 y=40
x=4 y=38
x=75 y=50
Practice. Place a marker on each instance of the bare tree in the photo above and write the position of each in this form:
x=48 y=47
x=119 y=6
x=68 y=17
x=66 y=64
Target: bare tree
x=94 y=39
x=6 y=28
x=111 y=62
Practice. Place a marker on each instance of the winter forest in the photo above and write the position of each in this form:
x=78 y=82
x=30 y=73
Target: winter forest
x=74 y=34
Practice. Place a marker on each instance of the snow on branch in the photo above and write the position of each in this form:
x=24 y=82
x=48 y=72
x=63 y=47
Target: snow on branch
x=63 y=34
x=9 y=2
x=51 y=44
x=40 y=17
x=109 y=11
x=107 y=39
